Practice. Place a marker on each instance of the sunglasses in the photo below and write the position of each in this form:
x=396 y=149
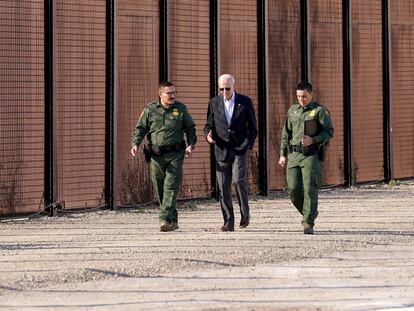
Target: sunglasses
x=170 y=93
x=224 y=88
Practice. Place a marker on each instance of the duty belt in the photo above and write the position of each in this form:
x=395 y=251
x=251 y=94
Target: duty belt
x=169 y=148
x=296 y=148
x=160 y=150
x=306 y=151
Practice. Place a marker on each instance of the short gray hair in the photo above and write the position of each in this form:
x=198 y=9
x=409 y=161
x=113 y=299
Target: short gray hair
x=226 y=77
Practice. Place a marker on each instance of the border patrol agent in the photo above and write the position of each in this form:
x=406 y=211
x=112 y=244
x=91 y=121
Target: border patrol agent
x=164 y=122
x=308 y=127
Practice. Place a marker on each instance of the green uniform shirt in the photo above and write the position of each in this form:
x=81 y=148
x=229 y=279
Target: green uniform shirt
x=165 y=126
x=293 y=129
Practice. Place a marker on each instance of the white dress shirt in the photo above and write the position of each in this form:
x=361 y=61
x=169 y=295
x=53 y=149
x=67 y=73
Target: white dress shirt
x=229 y=107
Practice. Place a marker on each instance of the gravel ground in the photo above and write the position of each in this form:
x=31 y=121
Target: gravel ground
x=361 y=257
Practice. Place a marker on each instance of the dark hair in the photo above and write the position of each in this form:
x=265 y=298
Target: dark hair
x=304 y=86
x=164 y=84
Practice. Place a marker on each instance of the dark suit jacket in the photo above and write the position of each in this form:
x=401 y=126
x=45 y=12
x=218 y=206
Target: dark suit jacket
x=242 y=131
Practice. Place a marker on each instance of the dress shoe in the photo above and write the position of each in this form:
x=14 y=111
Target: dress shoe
x=308 y=229
x=244 y=223
x=227 y=227
x=164 y=226
x=174 y=226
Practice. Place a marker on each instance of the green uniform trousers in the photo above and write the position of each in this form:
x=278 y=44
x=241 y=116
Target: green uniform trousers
x=166 y=176
x=304 y=175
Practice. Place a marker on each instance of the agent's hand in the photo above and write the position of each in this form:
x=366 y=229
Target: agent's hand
x=307 y=140
x=210 y=138
x=134 y=150
x=188 y=151
x=282 y=161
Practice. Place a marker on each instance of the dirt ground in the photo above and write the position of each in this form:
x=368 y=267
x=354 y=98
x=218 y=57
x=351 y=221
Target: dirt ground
x=361 y=257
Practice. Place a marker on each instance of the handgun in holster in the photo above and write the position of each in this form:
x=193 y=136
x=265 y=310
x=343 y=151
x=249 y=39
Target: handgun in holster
x=147 y=154
x=321 y=153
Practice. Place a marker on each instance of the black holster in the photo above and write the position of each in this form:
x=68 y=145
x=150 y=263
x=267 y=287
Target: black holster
x=147 y=154
x=321 y=152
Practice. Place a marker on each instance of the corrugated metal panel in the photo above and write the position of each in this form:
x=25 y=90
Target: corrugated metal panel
x=326 y=75
x=238 y=56
x=21 y=106
x=137 y=84
x=402 y=78
x=367 y=97
x=79 y=136
x=190 y=72
x=284 y=73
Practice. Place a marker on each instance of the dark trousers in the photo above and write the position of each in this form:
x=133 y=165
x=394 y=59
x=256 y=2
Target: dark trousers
x=233 y=169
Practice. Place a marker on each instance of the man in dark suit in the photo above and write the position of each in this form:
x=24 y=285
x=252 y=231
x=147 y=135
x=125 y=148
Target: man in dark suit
x=231 y=127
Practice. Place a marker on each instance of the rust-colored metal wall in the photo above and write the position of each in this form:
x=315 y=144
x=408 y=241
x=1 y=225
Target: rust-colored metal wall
x=238 y=56
x=79 y=112
x=326 y=75
x=137 y=45
x=283 y=63
x=402 y=91
x=189 y=70
x=367 y=98
x=79 y=89
x=21 y=106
